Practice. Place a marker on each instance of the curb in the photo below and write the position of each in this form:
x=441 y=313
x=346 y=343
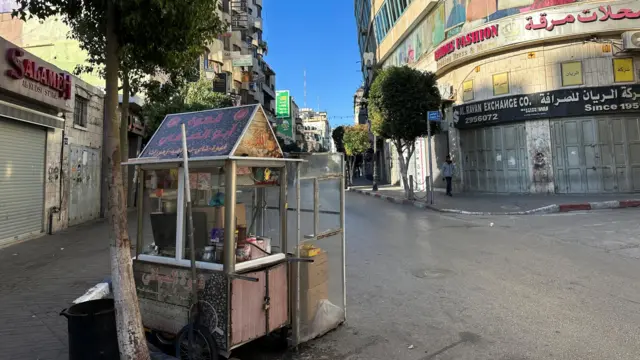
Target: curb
x=549 y=209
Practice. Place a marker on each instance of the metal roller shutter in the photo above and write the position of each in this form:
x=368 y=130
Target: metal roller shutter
x=22 y=156
x=494 y=159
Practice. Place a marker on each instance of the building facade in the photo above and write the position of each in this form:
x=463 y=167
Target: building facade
x=539 y=96
x=236 y=60
x=317 y=129
x=50 y=147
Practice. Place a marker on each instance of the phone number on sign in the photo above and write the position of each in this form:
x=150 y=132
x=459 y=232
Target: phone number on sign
x=481 y=118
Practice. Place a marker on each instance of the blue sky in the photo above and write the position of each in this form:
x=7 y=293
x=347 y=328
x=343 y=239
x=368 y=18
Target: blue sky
x=319 y=36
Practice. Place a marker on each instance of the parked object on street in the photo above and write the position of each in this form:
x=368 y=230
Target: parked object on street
x=92 y=330
x=246 y=269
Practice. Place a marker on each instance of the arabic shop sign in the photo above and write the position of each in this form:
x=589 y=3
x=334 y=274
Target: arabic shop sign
x=550 y=104
x=554 y=23
x=464 y=41
x=584 y=16
x=209 y=133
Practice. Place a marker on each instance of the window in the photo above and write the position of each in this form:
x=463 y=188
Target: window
x=623 y=70
x=236 y=48
x=393 y=11
x=386 y=19
x=500 y=84
x=467 y=90
x=571 y=73
x=80 y=111
x=259 y=11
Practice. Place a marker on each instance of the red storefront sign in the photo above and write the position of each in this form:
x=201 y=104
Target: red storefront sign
x=22 y=68
x=463 y=41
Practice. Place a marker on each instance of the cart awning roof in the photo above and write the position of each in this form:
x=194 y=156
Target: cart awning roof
x=241 y=133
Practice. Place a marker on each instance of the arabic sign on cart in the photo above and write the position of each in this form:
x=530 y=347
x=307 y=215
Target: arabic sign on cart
x=550 y=104
x=209 y=133
x=553 y=23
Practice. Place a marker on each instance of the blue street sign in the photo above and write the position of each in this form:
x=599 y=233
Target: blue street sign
x=434 y=116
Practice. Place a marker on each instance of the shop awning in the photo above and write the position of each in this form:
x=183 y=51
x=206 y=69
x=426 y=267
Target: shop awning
x=20 y=113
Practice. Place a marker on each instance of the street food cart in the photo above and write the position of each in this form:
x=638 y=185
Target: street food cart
x=221 y=213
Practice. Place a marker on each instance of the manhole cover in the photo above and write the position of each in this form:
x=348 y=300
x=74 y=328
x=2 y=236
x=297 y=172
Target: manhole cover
x=431 y=273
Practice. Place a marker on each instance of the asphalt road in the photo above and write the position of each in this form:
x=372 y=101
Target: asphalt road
x=423 y=286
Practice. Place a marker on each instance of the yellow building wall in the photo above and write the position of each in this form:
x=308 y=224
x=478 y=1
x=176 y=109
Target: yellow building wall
x=48 y=39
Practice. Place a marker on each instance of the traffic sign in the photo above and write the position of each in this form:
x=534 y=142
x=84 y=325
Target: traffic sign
x=434 y=116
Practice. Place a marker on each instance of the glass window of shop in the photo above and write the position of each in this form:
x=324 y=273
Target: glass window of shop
x=467 y=90
x=500 y=84
x=256 y=214
x=160 y=216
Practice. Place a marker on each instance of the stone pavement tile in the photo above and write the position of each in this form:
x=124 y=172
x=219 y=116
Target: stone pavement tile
x=41 y=277
x=498 y=203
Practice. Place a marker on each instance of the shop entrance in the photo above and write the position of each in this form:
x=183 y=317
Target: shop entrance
x=596 y=154
x=22 y=174
x=494 y=159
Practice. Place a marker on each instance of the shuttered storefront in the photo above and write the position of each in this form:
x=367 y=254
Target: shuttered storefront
x=596 y=154
x=22 y=158
x=494 y=159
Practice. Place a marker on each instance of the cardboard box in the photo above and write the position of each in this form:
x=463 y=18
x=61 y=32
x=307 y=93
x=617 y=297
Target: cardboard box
x=315 y=273
x=309 y=301
x=215 y=215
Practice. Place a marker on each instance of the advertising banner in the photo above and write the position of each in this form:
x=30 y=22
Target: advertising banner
x=549 y=104
x=283 y=104
x=285 y=128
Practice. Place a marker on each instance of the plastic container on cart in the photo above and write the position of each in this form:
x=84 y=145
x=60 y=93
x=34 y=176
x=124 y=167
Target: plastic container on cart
x=92 y=330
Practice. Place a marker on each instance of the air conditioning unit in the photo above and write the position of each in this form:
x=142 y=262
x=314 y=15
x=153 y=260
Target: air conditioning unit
x=631 y=40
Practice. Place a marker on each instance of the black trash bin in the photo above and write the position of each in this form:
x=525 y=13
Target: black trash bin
x=92 y=330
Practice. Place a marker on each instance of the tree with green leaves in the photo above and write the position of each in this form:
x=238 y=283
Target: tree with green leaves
x=130 y=35
x=172 y=98
x=356 y=142
x=337 y=135
x=399 y=100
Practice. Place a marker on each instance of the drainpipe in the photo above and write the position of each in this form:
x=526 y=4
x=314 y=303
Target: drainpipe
x=61 y=175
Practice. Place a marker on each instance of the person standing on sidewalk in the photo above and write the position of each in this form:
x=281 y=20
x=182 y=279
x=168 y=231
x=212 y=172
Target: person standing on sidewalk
x=448 y=169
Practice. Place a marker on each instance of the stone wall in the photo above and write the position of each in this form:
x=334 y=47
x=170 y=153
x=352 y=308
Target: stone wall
x=60 y=173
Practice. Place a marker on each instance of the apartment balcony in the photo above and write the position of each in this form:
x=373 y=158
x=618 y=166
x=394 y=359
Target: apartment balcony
x=257 y=24
x=268 y=90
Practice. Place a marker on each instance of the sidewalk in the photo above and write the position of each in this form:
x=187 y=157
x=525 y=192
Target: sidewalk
x=507 y=204
x=41 y=277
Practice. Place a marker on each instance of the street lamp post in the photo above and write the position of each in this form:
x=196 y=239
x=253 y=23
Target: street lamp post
x=375 y=163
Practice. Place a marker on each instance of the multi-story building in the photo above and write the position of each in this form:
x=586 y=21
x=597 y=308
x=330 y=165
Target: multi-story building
x=235 y=61
x=317 y=129
x=51 y=142
x=539 y=96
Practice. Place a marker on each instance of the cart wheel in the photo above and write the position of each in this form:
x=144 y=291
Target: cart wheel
x=205 y=347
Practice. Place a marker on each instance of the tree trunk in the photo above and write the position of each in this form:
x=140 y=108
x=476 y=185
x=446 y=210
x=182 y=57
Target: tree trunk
x=403 y=169
x=131 y=338
x=124 y=133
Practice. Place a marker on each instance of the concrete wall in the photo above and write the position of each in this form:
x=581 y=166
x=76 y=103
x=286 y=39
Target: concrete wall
x=59 y=172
